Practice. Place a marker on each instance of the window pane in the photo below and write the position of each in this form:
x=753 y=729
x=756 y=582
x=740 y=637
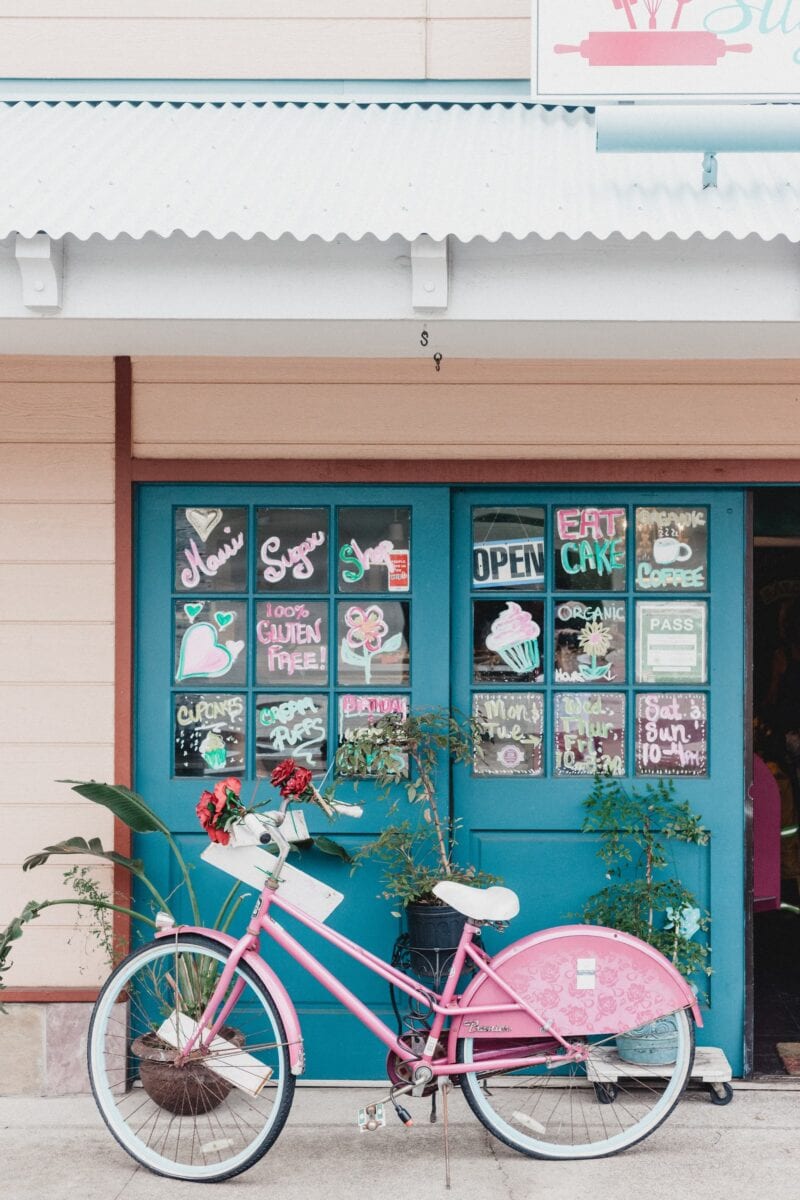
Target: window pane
x=210 y=549
x=210 y=638
x=590 y=549
x=507 y=640
x=671 y=641
x=671 y=734
x=512 y=741
x=672 y=549
x=373 y=642
x=358 y=711
x=508 y=547
x=209 y=734
x=590 y=733
x=293 y=549
x=589 y=641
x=374 y=549
x=292 y=643
x=291 y=726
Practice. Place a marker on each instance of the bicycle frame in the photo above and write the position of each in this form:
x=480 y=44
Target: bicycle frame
x=444 y=1005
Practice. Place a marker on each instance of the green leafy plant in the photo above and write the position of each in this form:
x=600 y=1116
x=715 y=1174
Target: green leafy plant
x=642 y=898
x=134 y=811
x=403 y=756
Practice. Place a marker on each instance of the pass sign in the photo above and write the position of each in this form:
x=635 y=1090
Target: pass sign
x=591 y=51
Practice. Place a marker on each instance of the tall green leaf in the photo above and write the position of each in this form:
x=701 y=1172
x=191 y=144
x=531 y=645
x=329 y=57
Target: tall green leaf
x=128 y=806
x=79 y=845
x=328 y=846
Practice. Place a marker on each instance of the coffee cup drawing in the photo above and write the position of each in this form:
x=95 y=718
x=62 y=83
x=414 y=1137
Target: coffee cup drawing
x=668 y=550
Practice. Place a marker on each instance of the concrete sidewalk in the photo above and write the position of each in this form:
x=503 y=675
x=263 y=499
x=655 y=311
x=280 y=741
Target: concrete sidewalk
x=58 y=1149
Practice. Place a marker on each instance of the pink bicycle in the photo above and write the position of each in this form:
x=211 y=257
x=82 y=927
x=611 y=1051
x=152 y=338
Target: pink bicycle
x=195 y=1044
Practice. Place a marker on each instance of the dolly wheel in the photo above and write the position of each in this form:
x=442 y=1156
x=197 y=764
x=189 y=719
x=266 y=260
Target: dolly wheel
x=606 y=1093
x=720 y=1093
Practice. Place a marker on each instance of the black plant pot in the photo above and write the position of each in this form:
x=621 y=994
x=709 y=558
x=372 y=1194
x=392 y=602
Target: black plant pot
x=434 y=931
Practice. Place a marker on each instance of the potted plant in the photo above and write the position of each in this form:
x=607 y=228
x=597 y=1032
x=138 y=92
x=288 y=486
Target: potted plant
x=194 y=1089
x=403 y=756
x=636 y=828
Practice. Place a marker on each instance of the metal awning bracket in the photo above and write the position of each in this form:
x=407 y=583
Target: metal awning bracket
x=41 y=266
x=430 y=262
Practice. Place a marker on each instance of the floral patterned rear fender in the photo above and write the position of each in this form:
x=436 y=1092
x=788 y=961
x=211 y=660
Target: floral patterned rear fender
x=580 y=979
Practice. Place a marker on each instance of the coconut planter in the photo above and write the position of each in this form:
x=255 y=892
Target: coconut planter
x=186 y=1089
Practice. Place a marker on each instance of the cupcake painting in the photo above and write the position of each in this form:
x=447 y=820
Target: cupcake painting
x=507 y=641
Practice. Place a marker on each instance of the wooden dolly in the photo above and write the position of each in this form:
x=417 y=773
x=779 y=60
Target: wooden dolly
x=711 y=1068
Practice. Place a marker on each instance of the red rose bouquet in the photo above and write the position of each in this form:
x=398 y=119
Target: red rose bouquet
x=296 y=783
x=293 y=781
x=220 y=809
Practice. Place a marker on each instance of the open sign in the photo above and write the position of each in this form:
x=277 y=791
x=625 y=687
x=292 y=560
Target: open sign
x=498 y=564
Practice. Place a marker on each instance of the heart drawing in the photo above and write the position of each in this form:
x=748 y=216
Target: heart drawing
x=223 y=618
x=193 y=610
x=202 y=654
x=204 y=520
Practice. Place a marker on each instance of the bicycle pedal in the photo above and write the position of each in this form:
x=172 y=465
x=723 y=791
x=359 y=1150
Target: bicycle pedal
x=371 y=1117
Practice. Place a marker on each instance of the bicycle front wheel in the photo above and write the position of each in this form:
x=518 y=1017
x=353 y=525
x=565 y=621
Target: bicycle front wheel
x=214 y=1114
x=586 y=1110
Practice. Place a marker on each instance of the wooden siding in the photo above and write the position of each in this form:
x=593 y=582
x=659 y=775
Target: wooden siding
x=56 y=640
x=342 y=409
x=265 y=39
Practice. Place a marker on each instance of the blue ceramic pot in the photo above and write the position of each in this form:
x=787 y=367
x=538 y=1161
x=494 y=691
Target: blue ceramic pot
x=651 y=1045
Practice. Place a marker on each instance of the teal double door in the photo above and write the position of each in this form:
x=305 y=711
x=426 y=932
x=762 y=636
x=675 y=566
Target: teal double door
x=588 y=629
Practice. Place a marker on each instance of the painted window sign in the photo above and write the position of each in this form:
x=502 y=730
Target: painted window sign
x=512 y=732
x=373 y=640
x=672 y=549
x=374 y=549
x=590 y=548
x=293 y=549
x=359 y=711
x=671 y=641
x=209 y=734
x=210 y=640
x=507 y=641
x=291 y=726
x=706 y=50
x=210 y=549
x=589 y=733
x=671 y=733
x=508 y=547
x=292 y=643
x=590 y=641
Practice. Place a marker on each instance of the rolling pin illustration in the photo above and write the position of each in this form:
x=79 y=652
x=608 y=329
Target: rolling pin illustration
x=654 y=48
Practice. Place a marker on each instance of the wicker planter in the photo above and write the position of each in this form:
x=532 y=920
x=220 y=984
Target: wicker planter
x=187 y=1089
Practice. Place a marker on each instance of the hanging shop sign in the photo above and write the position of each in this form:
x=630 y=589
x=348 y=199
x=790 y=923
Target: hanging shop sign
x=590 y=51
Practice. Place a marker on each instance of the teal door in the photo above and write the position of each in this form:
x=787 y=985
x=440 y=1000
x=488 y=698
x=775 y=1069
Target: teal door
x=269 y=622
x=590 y=629
x=603 y=629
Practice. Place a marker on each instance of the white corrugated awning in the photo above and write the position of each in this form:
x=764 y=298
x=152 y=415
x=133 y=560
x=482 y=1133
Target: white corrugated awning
x=350 y=170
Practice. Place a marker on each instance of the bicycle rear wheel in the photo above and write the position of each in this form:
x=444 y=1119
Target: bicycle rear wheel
x=214 y=1115
x=587 y=1110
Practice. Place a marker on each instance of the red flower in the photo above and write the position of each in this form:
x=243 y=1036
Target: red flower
x=282 y=772
x=221 y=797
x=219 y=808
x=205 y=809
x=298 y=784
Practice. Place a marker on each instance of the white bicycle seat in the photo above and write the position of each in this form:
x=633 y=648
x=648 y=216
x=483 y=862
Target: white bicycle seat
x=479 y=904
